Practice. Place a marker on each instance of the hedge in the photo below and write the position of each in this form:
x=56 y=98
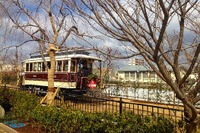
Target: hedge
x=55 y=120
x=25 y=108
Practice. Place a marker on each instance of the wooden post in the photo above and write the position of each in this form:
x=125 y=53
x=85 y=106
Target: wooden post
x=53 y=97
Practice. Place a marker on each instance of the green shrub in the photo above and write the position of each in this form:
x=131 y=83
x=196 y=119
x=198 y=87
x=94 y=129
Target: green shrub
x=22 y=103
x=9 y=78
x=56 y=120
x=5 y=96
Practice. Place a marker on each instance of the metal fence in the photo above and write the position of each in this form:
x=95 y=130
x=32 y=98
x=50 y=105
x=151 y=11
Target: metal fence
x=120 y=105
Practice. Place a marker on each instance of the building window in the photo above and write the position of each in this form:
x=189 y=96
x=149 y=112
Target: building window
x=132 y=74
x=145 y=74
x=139 y=75
x=152 y=74
x=126 y=74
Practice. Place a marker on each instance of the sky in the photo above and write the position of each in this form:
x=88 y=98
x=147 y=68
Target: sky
x=95 y=39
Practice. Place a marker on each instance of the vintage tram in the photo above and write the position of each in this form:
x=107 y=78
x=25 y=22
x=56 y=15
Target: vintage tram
x=74 y=71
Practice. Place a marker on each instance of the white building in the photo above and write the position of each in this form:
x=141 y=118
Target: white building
x=137 y=73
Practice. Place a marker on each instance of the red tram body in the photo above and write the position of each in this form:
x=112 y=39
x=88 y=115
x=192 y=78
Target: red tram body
x=69 y=73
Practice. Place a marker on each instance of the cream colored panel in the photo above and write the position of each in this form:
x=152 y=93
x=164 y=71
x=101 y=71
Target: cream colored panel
x=56 y=84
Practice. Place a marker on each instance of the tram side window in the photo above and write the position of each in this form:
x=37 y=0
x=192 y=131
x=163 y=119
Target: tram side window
x=49 y=64
x=31 y=66
x=59 y=65
x=39 y=66
x=43 y=66
x=27 y=66
x=73 y=66
x=65 y=65
x=35 y=67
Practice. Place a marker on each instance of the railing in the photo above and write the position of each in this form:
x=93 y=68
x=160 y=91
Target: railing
x=121 y=105
x=93 y=104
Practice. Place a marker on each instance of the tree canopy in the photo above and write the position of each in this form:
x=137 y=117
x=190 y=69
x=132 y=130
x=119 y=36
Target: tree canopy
x=165 y=33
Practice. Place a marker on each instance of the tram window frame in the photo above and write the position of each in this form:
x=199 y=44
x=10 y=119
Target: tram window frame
x=43 y=67
x=35 y=66
x=59 y=66
x=39 y=68
x=49 y=64
x=31 y=67
x=73 y=66
x=27 y=66
x=65 y=65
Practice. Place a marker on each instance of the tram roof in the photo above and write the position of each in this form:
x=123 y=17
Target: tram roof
x=60 y=53
x=65 y=55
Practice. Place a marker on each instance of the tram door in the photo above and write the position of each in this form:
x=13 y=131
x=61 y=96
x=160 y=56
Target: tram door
x=84 y=70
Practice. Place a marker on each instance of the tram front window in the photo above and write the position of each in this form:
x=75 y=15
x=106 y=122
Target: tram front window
x=85 y=70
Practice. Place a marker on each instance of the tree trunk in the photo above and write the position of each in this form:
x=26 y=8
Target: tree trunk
x=51 y=72
x=191 y=127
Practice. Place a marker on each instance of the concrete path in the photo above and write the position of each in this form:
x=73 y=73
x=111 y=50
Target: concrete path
x=6 y=129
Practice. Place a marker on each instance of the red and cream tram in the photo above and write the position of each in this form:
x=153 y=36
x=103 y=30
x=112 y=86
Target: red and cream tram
x=72 y=70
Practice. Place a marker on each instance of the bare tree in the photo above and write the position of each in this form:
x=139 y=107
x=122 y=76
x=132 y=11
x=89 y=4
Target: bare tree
x=163 y=32
x=48 y=23
x=108 y=56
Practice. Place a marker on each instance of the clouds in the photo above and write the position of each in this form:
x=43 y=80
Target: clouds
x=94 y=35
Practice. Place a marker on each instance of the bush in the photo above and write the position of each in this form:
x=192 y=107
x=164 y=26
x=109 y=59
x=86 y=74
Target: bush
x=8 y=77
x=5 y=97
x=56 y=120
x=21 y=104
